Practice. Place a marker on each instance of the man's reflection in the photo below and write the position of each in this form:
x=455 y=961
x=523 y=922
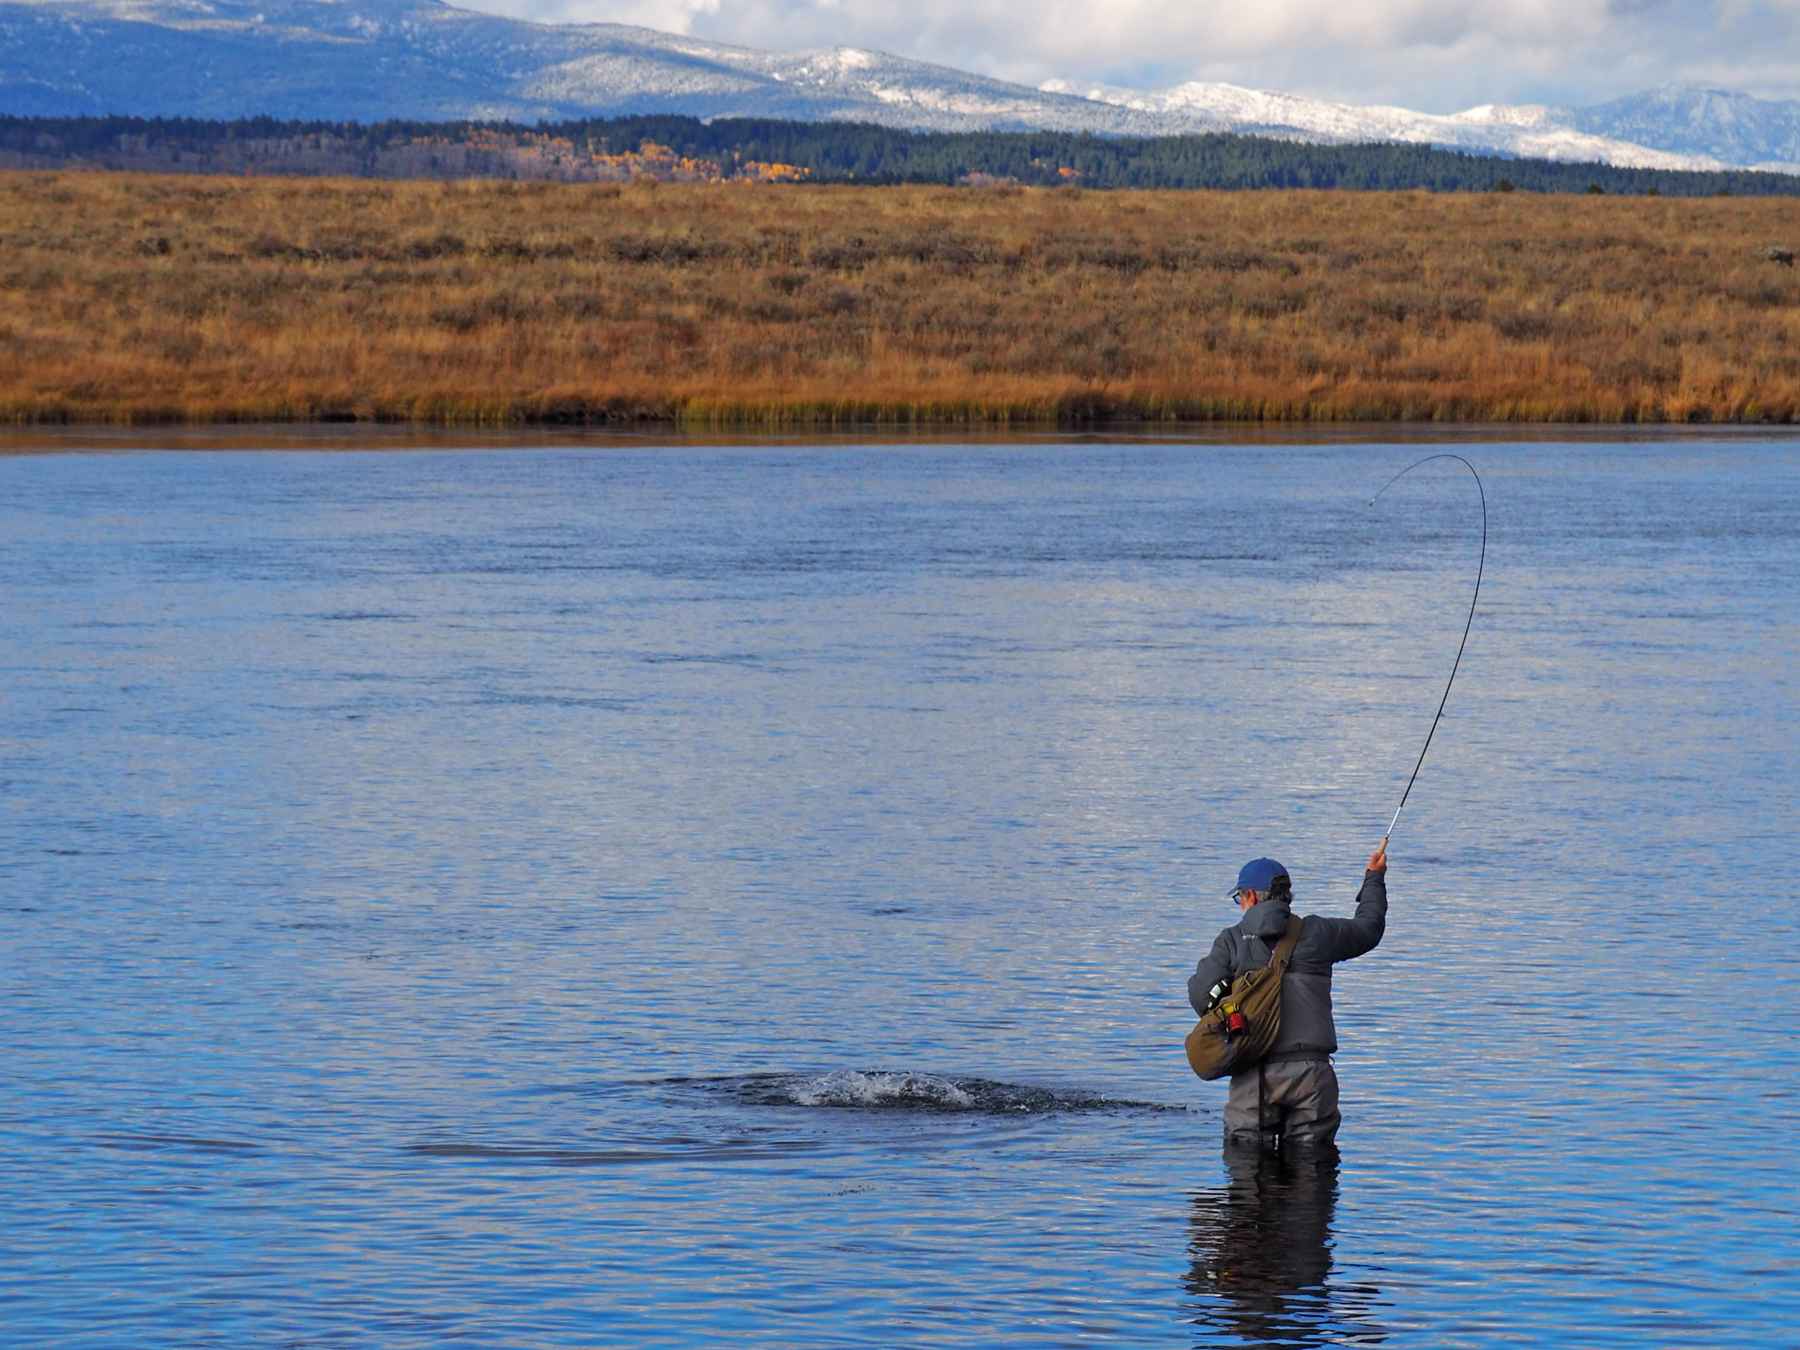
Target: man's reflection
x=1261 y=1252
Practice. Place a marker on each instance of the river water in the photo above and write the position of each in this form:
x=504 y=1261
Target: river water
x=743 y=895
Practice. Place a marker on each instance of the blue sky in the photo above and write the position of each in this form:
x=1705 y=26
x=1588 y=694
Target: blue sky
x=1438 y=55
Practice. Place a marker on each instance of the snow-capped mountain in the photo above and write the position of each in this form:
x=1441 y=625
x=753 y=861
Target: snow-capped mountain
x=367 y=60
x=372 y=59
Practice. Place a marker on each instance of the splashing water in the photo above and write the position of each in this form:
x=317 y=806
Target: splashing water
x=905 y=1090
x=849 y=1088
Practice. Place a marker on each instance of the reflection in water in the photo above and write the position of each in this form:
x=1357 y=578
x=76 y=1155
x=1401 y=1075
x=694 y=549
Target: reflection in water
x=1260 y=1251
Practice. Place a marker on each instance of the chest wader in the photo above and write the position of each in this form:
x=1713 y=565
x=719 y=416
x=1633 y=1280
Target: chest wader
x=1296 y=1089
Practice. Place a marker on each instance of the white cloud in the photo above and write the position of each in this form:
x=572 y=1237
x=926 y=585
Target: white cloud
x=1439 y=54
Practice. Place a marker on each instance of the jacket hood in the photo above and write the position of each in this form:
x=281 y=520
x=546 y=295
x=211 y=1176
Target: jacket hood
x=1267 y=919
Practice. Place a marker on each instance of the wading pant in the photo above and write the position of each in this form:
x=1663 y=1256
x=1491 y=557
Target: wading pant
x=1284 y=1104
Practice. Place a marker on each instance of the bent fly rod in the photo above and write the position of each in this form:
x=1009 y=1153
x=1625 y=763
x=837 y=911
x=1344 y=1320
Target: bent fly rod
x=1480 y=566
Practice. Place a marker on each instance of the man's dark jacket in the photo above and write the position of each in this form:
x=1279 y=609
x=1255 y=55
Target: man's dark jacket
x=1306 y=1025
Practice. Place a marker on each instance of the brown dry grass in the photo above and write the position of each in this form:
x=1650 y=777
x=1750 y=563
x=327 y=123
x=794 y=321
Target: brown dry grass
x=139 y=298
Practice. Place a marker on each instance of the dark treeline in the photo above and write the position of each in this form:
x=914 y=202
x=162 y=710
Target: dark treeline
x=842 y=152
x=847 y=151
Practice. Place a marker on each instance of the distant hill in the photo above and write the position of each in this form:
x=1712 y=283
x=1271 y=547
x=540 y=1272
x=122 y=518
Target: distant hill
x=376 y=60
x=1731 y=128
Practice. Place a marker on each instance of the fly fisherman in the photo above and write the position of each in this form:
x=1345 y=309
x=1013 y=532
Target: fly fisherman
x=1291 y=1096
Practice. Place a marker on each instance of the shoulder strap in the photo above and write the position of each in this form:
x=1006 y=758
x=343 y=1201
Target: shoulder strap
x=1284 y=951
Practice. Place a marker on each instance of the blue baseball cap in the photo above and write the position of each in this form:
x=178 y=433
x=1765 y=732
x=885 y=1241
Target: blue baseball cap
x=1256 y=875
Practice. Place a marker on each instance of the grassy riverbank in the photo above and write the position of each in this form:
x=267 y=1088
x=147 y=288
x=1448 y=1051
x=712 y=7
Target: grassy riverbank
x=129 y=298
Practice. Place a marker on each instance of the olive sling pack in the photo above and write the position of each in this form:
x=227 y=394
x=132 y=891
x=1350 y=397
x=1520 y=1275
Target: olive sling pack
x=1242 y=1026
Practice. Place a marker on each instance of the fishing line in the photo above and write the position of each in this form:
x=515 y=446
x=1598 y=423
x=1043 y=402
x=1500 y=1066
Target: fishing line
x=1480 y=566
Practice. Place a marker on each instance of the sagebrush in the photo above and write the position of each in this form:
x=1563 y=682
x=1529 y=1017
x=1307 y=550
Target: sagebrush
x=140 y=298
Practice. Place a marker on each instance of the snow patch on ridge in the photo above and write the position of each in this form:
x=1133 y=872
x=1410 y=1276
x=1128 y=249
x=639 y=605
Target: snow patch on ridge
x=1528 y=131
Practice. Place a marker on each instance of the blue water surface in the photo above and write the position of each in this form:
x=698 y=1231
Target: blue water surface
x=679 y=895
